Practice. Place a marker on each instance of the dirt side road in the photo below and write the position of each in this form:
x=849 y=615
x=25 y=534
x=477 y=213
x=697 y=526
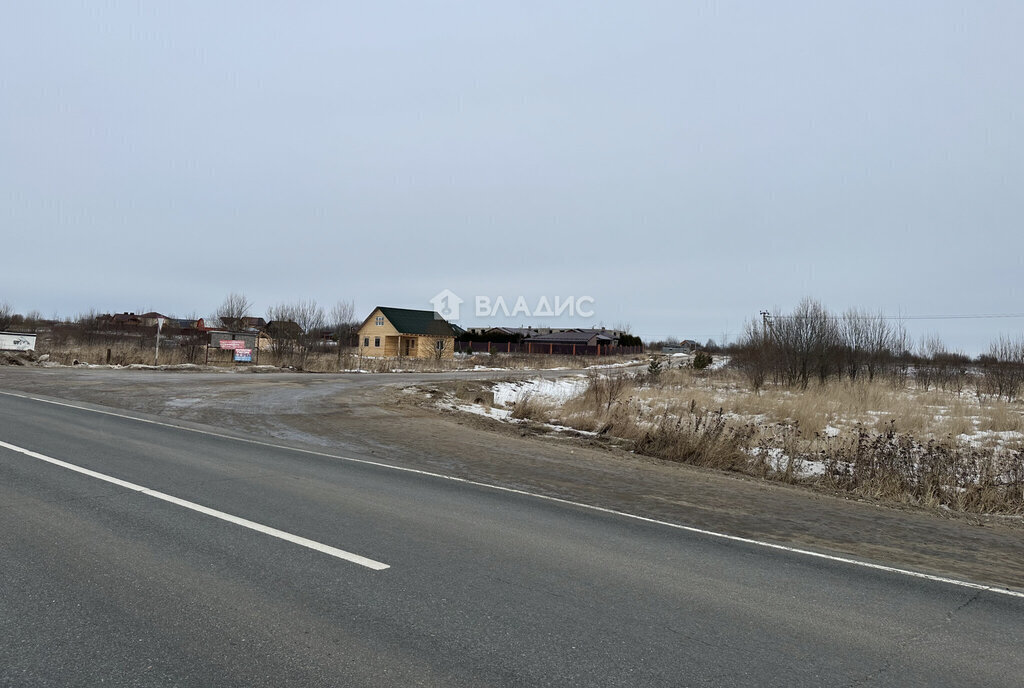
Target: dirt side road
x=377 y=417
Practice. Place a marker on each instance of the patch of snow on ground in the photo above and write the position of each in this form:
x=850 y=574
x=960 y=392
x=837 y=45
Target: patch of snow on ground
x=560 y=389
x=183 y=402
x=505 y=415
x=626 y=364
x=479 y=410
x=779 y=460
x=719 y=362
x=977 y=439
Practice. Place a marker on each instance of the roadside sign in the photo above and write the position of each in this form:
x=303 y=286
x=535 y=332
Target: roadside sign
x=232 y=344
x=243 y=355
x=17 y=341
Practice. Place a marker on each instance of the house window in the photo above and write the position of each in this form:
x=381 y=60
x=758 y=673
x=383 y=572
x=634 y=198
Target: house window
x=376 y=341
x=366 y=341
x=380 y=320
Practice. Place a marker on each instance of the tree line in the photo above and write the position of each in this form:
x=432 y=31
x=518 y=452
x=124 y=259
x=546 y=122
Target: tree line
x=813 y=344
x=302 y=327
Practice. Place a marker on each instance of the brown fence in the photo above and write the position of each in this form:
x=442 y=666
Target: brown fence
x=528 y=347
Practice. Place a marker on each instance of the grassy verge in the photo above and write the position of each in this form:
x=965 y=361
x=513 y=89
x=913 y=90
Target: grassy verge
x=961 y=451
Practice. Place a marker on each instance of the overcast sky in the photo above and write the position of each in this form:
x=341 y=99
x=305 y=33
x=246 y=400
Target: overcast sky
x=685 y=164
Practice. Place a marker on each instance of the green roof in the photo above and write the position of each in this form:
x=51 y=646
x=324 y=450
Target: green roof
x=409 y=321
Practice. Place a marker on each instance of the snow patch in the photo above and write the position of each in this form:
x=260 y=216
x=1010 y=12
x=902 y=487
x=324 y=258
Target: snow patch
x=558 y=390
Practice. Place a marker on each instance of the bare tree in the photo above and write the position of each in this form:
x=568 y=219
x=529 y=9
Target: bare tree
x=295 y=328
x=343 y=325
x=1004 y=367
x=438 y=345
x=807 y=341
x=878 y=337
x=901 y=354
x=854 y=331
x=752 y=355
x=6 y=315
x=284 y=340
x=930 y=365
x=234 y=307
x=33 y=320
x=343 y=322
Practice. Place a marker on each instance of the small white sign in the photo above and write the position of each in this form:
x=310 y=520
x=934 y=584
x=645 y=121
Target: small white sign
x=16 y=341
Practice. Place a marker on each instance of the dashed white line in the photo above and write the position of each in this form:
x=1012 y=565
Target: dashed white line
x=245 y=523
x=558 y=500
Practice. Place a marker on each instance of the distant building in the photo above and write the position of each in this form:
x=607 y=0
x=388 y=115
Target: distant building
x=578 y=337
x=151 y=319
x=524 y=333
x=127 y=320
x=189 y=325
x=687 y=346
x=247 y=322
x=395 y=332
x=119 y=320
x=283 y=329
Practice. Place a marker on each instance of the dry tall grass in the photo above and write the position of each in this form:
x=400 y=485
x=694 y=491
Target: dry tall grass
x=928 y=447
x=121 y=354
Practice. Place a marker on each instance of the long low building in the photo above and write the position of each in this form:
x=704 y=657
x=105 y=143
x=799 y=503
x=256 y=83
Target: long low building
x=578 y=337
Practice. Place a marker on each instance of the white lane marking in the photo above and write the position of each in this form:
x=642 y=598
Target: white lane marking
x=245 y=523
x=558 y=500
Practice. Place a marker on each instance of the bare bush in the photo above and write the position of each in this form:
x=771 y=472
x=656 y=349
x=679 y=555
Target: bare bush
x=889 y=464
x=529 y=407
x=698 y=437
x=604 y=390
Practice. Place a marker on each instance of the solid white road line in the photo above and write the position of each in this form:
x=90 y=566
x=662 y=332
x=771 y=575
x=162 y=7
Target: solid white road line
x=558 y=500
x=245 y=523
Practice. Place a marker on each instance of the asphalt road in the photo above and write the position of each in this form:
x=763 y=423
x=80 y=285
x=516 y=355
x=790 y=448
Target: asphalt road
x=101 y=583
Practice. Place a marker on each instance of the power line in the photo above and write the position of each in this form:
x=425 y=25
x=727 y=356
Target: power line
x=976 y=316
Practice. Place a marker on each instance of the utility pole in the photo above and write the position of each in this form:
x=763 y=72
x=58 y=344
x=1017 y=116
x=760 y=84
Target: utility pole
x=764 y=326
x=156 y=354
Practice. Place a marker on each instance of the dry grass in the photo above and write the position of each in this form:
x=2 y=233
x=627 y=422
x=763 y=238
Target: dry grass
x=930 y=415
x=870 y=438
x=119 y=354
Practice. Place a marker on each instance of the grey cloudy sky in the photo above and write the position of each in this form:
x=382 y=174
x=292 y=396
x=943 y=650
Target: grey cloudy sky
x=685 y=164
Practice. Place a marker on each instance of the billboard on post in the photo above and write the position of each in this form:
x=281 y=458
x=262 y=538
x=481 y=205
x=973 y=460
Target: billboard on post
x=243 y=355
